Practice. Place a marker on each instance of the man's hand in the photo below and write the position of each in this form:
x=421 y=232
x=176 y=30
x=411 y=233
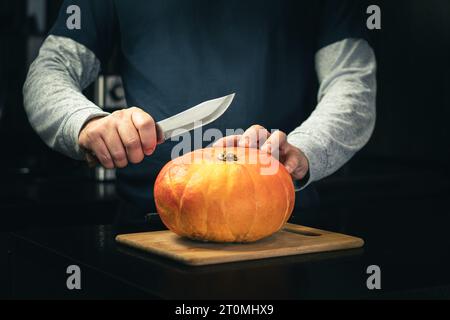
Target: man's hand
x=119 y=138
x=276 y=144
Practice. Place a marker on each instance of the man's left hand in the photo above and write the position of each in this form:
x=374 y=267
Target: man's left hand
x=274 y=143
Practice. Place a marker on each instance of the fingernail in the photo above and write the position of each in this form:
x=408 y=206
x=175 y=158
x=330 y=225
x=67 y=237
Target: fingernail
x=243 y=142
x=267 y=148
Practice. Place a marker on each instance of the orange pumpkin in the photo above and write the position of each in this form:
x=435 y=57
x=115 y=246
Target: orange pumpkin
x=224 y=195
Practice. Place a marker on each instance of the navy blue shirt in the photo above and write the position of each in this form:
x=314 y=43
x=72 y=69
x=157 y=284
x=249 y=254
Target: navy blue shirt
x=175 y=54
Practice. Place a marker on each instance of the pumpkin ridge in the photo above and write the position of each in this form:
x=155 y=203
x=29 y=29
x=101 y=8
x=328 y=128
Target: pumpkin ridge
x=290 y=196
x=206 y=193
x=179 y=201
x=224 y=211
x=256 y=200
x=287 y=199
x=162 y=207
x=191 y=173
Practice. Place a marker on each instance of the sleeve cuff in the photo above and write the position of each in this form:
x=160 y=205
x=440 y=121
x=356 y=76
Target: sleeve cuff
x=73 y=127
x=314 y=151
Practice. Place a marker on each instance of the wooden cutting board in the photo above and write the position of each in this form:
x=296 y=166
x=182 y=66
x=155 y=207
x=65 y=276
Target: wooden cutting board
x=291 y=240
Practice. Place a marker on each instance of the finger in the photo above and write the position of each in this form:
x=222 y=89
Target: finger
x=130 y=140
x=96 y=151
x=91 y=160
x=115 y=147
x=299 y=173
x=100 y=154
x=295 y=162
x=274 y=143
x=254 y=137
x=291 y=163
x=146 y=128
x=228 y=141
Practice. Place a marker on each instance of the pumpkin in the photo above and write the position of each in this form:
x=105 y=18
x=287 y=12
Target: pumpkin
x=224 y=194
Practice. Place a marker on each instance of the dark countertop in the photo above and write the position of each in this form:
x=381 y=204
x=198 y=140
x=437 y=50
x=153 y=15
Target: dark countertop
x=404 y=223
x=35 y=201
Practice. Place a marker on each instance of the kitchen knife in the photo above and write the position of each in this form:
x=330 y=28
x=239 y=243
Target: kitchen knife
x=190 y=119
x=193 y=118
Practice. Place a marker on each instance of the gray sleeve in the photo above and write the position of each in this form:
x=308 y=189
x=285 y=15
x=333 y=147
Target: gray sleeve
x=344 y=117
x=53 y=98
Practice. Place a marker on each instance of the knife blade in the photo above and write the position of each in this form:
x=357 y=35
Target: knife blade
x=193 y=118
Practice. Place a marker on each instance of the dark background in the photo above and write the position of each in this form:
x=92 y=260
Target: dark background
x=396 y=187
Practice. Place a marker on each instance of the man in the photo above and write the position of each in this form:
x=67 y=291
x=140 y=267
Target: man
x=175 y=54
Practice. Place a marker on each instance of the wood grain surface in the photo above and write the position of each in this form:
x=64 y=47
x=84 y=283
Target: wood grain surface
x=291 y=240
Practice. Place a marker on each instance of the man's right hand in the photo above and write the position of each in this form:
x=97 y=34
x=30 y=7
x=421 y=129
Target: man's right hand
x=120 y=138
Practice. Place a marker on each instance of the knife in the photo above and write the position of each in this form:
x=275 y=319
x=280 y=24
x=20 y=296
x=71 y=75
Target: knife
x=192 y=118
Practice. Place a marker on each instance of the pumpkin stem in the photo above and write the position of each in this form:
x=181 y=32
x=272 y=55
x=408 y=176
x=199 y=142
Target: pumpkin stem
x=227 y=156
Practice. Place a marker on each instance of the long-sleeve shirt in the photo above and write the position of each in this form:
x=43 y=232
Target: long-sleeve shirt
x=271 y=68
